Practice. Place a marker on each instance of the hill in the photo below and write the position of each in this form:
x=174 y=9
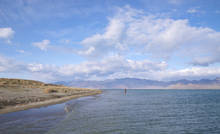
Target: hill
x=134 y=83
x=18 y=94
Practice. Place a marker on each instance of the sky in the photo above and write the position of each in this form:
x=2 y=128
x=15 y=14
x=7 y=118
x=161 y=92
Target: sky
x=54 y=40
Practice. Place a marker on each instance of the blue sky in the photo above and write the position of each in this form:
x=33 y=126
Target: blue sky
x=57 y=40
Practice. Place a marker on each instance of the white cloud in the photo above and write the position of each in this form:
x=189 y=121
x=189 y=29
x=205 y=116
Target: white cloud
x=131 y=29
x=88 y=52
x=130 y=32
x=190 y=73
x=99 y=44
x=20 y=51
x=106 y=68
x=103 y=69
x=109 y=68
x=205 y=61
x=8 y=65
x=193 y=10
x=43 y=45
x=6 y=34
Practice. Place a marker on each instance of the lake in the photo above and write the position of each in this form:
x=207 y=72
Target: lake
x=114 y=112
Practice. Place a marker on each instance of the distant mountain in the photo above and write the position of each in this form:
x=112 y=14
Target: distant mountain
x=134 y=83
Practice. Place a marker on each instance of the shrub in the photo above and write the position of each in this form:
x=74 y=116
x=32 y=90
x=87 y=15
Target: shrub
x=50 y=90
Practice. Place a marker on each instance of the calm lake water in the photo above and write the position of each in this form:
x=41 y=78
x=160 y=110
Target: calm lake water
x=113 y=112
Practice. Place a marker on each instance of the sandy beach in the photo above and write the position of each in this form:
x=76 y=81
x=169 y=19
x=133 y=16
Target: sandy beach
x=16 y=94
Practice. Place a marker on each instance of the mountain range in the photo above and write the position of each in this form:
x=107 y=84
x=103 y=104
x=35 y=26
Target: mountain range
x=134 y=83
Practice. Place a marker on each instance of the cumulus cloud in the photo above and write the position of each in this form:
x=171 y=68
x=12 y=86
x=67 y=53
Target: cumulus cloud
x=190 y=73
x=205 y=61
x=43 y=45
x=8 y=65
x=109 y=68
x=110 y=41
x=131 y=29
x=6 y=34
x=131 y=32
x=103 y=69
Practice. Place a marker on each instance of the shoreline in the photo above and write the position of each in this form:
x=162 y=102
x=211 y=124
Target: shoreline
x=21 y=107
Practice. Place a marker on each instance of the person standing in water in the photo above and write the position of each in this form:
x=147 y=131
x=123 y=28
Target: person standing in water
x=125 y=90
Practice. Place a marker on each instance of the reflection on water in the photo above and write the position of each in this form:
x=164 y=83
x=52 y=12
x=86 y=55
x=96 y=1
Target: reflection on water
x=137 y=112
x=68 y=108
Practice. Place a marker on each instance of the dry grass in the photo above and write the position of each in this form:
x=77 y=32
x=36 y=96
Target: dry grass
x=25 y=84
x=50 y=90
x=15 y=82
x=63 y=89
x=17 y=91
